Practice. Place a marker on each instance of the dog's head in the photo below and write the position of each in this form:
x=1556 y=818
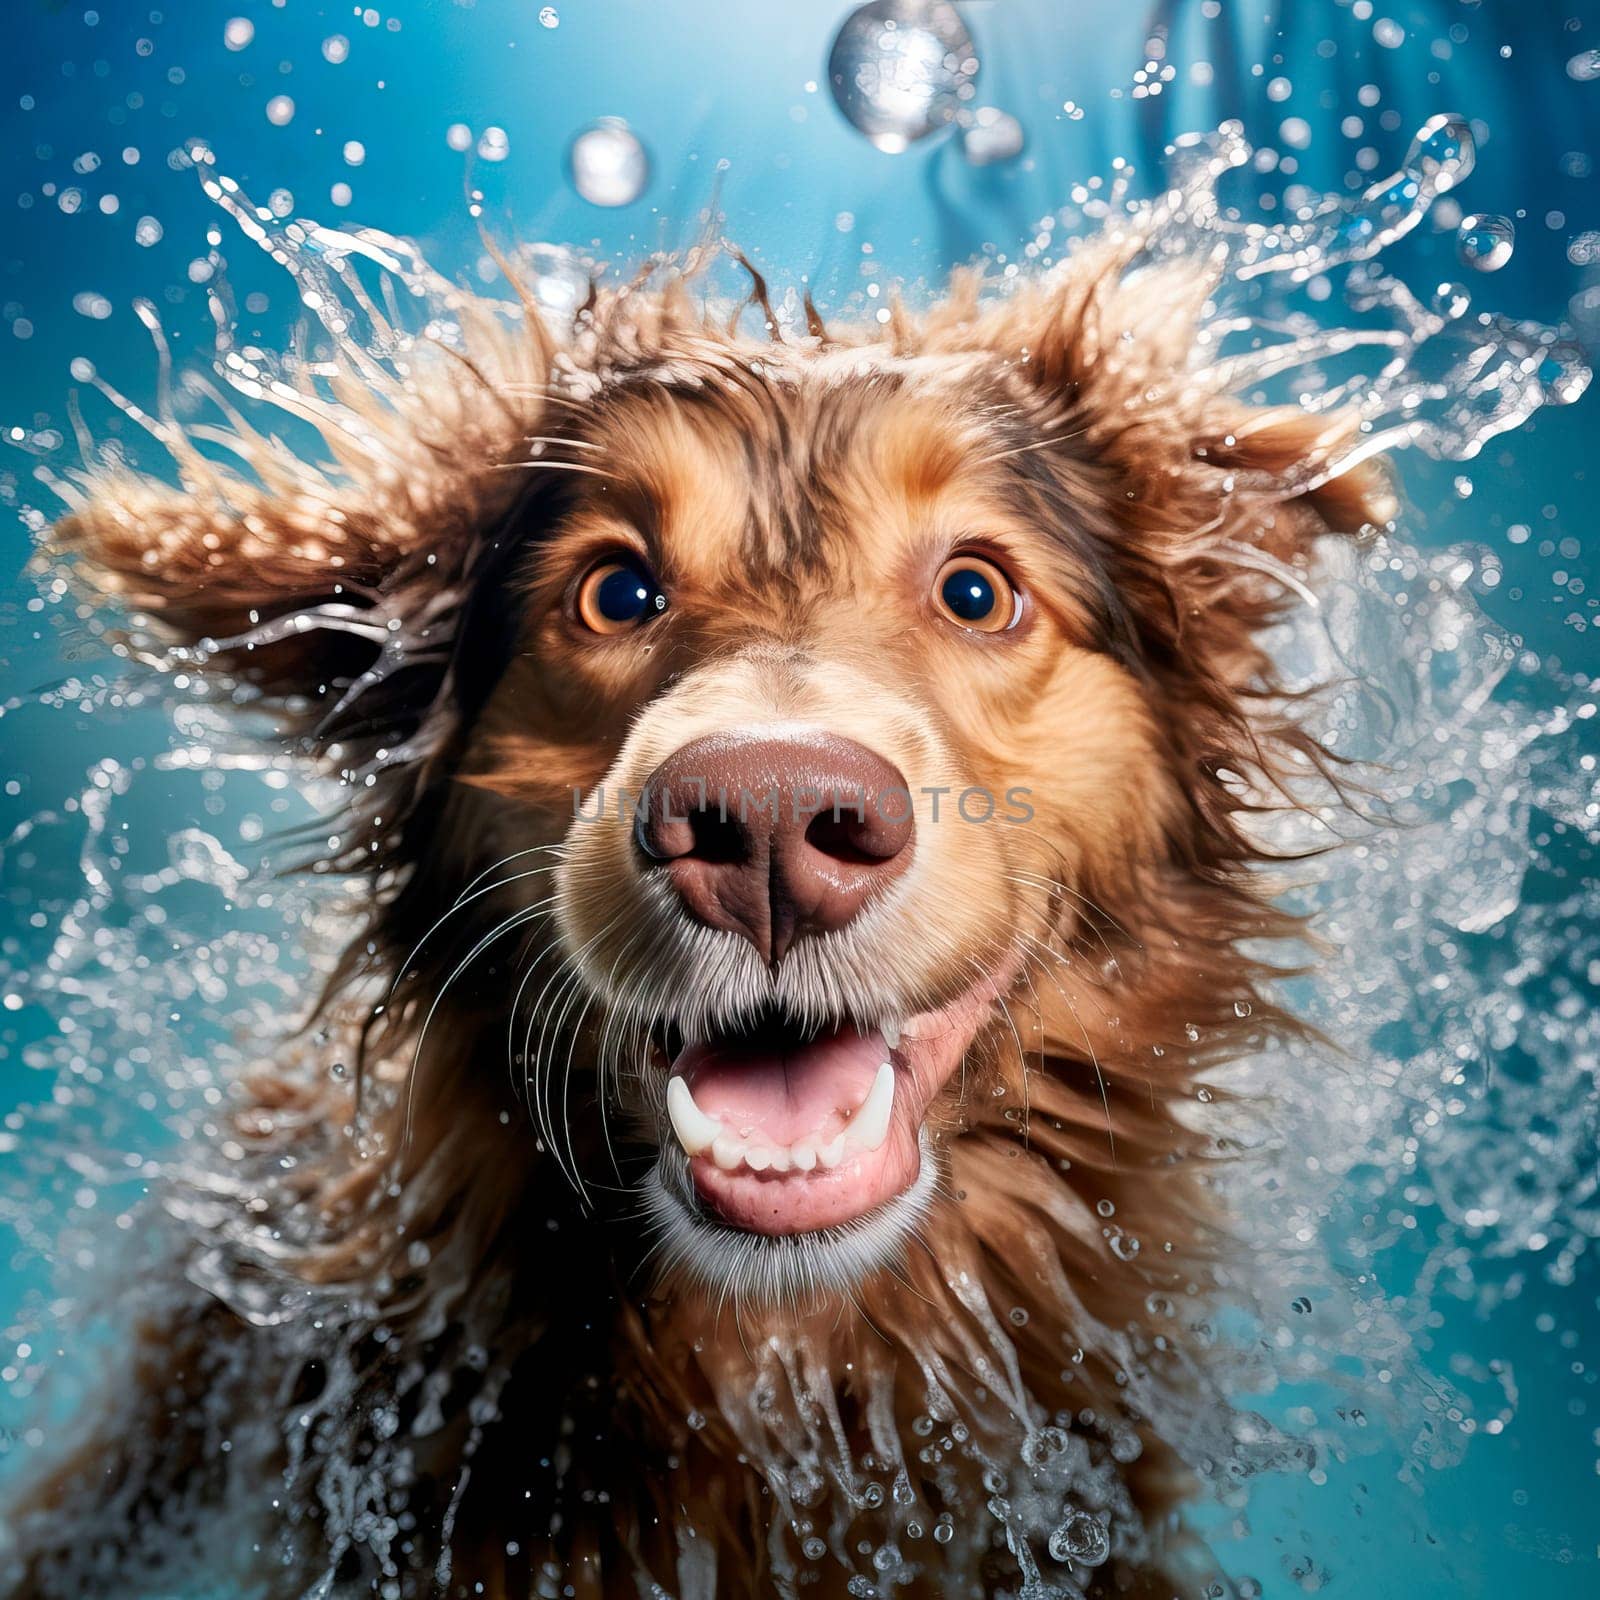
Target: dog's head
x=853 y=732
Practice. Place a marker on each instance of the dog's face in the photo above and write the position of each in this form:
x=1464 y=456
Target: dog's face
x=830 y=692
x=885 y=710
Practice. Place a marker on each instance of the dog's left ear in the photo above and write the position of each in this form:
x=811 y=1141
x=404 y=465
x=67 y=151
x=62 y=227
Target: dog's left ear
x=1115 y=352
x=1206 y=507
x=330 y=594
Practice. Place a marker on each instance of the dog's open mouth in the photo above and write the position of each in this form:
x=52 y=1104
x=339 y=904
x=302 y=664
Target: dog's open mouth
x=790 y=1131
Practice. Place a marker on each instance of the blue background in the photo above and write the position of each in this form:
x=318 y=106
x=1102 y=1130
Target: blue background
x=743 y=82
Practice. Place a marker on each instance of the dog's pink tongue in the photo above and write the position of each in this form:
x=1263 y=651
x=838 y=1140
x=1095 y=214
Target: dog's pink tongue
x=784 y=1091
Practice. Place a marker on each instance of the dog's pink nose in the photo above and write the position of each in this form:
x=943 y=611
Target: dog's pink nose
x=776 y=837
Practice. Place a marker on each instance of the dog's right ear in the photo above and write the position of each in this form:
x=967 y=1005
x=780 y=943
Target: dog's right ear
x=330 y=593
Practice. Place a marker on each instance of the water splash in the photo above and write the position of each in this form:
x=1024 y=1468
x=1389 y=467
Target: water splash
x=141 y=1012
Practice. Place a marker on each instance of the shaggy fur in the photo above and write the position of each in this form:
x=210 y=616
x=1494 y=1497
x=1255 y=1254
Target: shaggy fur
x=601 y=1419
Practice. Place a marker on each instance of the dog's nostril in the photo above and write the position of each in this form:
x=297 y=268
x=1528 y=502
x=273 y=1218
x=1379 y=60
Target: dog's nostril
x=678 y=823
x=862 y=832
x=718 y=838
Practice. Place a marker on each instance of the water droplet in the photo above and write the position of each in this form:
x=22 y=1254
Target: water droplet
x=494 y=145
x=1241 y=1008
x=1105 y=1208
x=1019 y=1316
x=1451 y=301
x=992 y=136
x=280 y=110
x=556 y=277
x=1081 y=1538
x=900 y=69
x=1484 y=242
x=607 y=163
x=1443 y=153
x=147 y=231
x=1295 y=132
x=237 y=32
x=549 y=17
x=1564 y=372
x=1584 y=67
x=458 y=136
x=336 y=49
x=1040 y=1448
x=943 y=1533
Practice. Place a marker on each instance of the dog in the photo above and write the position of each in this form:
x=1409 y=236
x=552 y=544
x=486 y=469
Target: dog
x=804 y=787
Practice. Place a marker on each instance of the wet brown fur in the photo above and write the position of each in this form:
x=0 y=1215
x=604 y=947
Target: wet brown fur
x=1066 y=425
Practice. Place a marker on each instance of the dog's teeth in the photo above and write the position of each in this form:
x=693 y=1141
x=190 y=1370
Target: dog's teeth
x=695 y=1130
x=869 y=1127
x=891 y=1034
x=731 y=1149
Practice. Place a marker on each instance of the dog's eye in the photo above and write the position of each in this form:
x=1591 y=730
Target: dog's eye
x=617 y=595
x=974 y=593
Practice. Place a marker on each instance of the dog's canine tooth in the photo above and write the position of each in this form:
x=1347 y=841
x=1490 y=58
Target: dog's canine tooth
x=869 y=1127
x=695 y=1130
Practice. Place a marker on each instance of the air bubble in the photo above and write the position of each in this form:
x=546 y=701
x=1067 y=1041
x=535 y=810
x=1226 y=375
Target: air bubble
x=902 y=69
x=237 y=32
x=280 y=110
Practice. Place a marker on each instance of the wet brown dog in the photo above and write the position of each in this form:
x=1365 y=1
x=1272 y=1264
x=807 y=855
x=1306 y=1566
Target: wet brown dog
x=822 y=768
